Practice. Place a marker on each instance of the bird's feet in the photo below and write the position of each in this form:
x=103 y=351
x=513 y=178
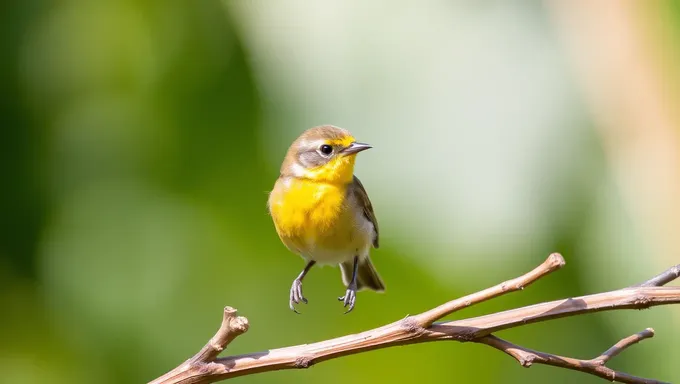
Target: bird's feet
x=296 y=295
x=350 y=297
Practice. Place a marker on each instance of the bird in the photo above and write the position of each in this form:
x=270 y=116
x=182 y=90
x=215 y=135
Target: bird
x=321 y=211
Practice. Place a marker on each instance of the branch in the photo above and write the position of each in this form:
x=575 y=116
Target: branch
x=554 y=262
x=623 y=344
x=662 y=278
x=204 y=367
x=595 y=366
x=201 y=364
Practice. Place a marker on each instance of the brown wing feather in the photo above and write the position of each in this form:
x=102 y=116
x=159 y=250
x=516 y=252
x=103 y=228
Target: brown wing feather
x=362 y=198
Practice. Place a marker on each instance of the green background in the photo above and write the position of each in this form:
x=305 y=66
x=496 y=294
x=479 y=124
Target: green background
x=139 y=140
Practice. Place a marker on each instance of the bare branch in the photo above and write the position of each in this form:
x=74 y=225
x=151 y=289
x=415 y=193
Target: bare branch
x=526 y=357
x=194 y=369
x=204 y=367
x=627 y=298
x=232 y=326
x=554 y=262
x=662 y=278
x=623 y=344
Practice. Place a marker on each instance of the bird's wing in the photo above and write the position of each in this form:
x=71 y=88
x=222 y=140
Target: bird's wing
x=365 y=203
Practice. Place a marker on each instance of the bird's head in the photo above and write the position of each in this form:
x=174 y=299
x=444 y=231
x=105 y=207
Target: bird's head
x=324 y=153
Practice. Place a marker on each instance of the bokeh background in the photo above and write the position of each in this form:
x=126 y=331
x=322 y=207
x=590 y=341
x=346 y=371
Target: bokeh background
x=140 y=138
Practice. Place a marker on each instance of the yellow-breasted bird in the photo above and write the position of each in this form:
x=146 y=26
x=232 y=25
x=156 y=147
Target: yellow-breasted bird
x=321 y=211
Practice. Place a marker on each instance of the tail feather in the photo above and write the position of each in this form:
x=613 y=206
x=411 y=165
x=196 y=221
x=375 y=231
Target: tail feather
x=367 y=276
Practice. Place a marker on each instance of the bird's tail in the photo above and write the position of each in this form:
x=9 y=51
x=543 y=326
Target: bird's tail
x=367 y=276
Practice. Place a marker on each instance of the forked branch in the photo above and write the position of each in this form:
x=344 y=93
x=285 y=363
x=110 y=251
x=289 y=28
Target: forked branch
x=526 y=357
x=205 y=367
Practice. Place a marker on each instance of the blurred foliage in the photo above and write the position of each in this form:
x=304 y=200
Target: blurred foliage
x=136 y=156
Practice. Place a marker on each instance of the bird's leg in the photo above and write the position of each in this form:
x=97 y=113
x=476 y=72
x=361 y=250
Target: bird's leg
x=296 y=289
x=351 y=293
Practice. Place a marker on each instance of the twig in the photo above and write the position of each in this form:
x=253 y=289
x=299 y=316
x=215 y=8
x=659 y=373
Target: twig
x=595 y=366
x=199 y=366
x=623 y=344
x=662 y=278
x=205 y=368
x=554 y=262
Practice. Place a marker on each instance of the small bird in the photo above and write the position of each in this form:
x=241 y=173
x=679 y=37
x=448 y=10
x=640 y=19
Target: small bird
x=321 y=211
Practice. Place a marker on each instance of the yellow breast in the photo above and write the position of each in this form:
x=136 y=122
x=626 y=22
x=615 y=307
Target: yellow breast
x=313 y=216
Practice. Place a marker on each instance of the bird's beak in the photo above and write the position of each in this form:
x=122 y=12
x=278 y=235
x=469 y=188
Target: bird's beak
x=355 y=148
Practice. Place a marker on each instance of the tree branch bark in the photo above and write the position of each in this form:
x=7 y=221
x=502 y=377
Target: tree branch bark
x=205 y=367
x=526 y=357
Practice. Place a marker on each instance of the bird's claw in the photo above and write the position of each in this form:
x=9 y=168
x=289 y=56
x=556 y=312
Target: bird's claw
x=349 y=298
x=296 y=295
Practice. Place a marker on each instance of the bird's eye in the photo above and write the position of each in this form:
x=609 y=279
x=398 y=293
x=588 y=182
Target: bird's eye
x=326 y=149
